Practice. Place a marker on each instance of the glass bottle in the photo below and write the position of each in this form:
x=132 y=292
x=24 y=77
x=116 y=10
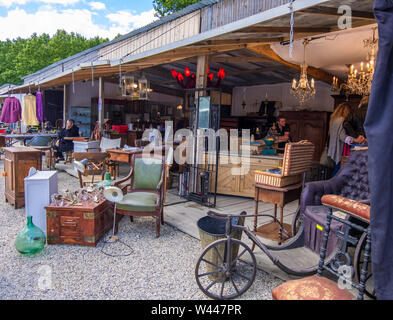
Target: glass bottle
x=30 y=240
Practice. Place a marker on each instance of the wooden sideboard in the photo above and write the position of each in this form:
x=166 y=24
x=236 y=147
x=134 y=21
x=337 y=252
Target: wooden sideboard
x=309 y=125
x=17 y=164
x=243 y=184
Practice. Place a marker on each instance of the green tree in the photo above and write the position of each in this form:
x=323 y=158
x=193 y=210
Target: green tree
x=165 y=7
x=21 y=57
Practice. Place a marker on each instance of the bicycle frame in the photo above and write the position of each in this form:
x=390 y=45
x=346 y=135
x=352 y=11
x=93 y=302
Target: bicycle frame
x=228 y=229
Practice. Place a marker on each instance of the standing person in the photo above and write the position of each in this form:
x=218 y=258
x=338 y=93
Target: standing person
x=61 y=145
x=338 y=135
x=354 y=122
x=282 y=131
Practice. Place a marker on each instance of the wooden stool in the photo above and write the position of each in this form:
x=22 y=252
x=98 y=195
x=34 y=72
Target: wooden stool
x=279 y=197
x=68 y=157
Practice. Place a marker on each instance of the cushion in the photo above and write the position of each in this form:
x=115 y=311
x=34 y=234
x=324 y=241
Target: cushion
x=139 y=202
x=147 y=173
x=347 y=205
x=311 y=288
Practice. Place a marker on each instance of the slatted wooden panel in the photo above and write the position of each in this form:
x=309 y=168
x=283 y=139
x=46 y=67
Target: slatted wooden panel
x=167 y=33
x=229 y=11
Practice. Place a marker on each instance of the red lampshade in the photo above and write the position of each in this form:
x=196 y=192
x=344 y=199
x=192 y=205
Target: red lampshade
x=221 y=74
x=211 y=76
x=180 y=77
x=187 y=72
x=174 y=73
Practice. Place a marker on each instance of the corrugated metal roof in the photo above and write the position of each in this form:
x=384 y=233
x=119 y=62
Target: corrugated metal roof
x=191 y=8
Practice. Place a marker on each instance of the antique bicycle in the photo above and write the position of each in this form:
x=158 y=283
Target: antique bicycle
x=227 y=267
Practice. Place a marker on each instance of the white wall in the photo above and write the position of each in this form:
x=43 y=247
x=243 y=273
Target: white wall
x=253 y=96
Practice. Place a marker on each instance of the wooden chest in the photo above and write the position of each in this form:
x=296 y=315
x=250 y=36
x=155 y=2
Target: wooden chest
x=79 y=225
x=17 y=164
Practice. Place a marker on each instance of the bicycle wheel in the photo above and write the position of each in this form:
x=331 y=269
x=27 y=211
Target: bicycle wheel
x=221 y=280
x=358 y=263
x=296 y=222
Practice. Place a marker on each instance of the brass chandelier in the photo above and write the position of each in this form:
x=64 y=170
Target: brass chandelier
x=360 y=82
x=303 y=90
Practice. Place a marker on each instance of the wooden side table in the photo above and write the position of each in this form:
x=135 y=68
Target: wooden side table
x=44 y=152
x=279 y=197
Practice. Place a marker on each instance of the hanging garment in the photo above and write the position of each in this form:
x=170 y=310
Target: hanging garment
x=378 y=127
x=40 y=107
x=29 y=111
x=12 y=111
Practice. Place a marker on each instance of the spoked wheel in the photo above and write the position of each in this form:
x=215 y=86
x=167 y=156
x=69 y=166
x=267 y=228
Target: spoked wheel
x=358 y=263
x=296 y=222
x=221 y=280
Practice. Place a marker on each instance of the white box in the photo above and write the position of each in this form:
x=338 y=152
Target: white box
x=82 y=146
x=39 y=187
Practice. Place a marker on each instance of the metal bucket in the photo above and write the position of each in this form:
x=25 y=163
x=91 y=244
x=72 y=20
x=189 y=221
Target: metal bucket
x=211 y=230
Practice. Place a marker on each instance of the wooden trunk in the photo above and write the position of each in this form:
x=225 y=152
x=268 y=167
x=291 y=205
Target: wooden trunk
x=17 y=164
x=79 y=225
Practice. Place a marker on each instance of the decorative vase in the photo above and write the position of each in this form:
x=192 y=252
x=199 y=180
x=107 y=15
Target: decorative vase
x=30 y=240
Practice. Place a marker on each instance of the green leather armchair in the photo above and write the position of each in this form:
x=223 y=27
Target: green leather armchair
x=145 y=191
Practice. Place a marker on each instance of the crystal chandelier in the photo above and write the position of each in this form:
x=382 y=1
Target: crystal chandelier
x=360 y=82
x=303 y=90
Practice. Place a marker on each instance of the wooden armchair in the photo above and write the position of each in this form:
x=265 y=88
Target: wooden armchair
x=145 y=190
x=96 y=165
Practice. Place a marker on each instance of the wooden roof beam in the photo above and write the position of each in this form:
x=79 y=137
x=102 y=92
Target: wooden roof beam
x=263 y=29
x=245 y=40
x=268 y=52
x=329 y=11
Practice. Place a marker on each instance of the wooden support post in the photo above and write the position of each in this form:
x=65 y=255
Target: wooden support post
x=101 y=103
x=65 y=105
x=201 y=74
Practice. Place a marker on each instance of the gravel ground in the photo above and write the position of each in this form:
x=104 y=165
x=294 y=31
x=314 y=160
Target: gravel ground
x=155 y=269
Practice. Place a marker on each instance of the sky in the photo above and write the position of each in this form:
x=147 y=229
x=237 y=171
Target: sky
x=104 y=18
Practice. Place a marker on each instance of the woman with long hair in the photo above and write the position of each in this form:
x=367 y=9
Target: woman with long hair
x=338 y=136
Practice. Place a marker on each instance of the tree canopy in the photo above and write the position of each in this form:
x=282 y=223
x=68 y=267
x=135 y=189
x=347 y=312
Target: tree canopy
x=21 y=57
x=165 y=7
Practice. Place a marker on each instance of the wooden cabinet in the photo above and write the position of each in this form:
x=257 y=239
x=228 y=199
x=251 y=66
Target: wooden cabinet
x=17 y=164
x=309 y=125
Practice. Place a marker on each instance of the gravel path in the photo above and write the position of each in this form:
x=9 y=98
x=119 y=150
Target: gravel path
x=156 y=269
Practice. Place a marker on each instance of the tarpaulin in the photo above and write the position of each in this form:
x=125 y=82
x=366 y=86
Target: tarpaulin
x=379 y=131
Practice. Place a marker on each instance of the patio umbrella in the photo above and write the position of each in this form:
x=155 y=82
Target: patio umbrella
x=379 y=127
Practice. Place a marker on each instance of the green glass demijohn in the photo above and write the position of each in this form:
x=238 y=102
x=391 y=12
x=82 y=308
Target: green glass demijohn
x=30 y=240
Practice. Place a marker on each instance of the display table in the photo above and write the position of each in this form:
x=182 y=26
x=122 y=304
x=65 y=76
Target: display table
x=279 y=197
x=11 y=139
x=119 y=155
x=80 y=225
x=17 y=164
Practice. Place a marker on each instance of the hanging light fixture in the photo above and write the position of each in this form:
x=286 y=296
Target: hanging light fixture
x=135 y=89
x=360 y=82
x=303 y=90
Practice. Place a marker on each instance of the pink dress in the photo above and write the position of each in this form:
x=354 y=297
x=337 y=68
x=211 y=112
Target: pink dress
x=12 y=111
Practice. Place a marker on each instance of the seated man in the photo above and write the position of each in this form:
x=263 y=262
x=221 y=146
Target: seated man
x=281 y=132
x=61 y=145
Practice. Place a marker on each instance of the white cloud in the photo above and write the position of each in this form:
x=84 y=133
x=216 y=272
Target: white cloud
x=9 y=3
x=19 y=23
x=131 y=20
x=97 y=5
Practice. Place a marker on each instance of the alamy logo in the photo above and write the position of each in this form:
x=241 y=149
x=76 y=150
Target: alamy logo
x=45 y=279
x=345 y=279
x=345 y=21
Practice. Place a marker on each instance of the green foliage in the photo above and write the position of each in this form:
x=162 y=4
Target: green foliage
x=21 y=57
x=165 y=7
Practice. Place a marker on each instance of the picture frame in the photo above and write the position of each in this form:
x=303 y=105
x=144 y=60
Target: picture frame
x=169 y=110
